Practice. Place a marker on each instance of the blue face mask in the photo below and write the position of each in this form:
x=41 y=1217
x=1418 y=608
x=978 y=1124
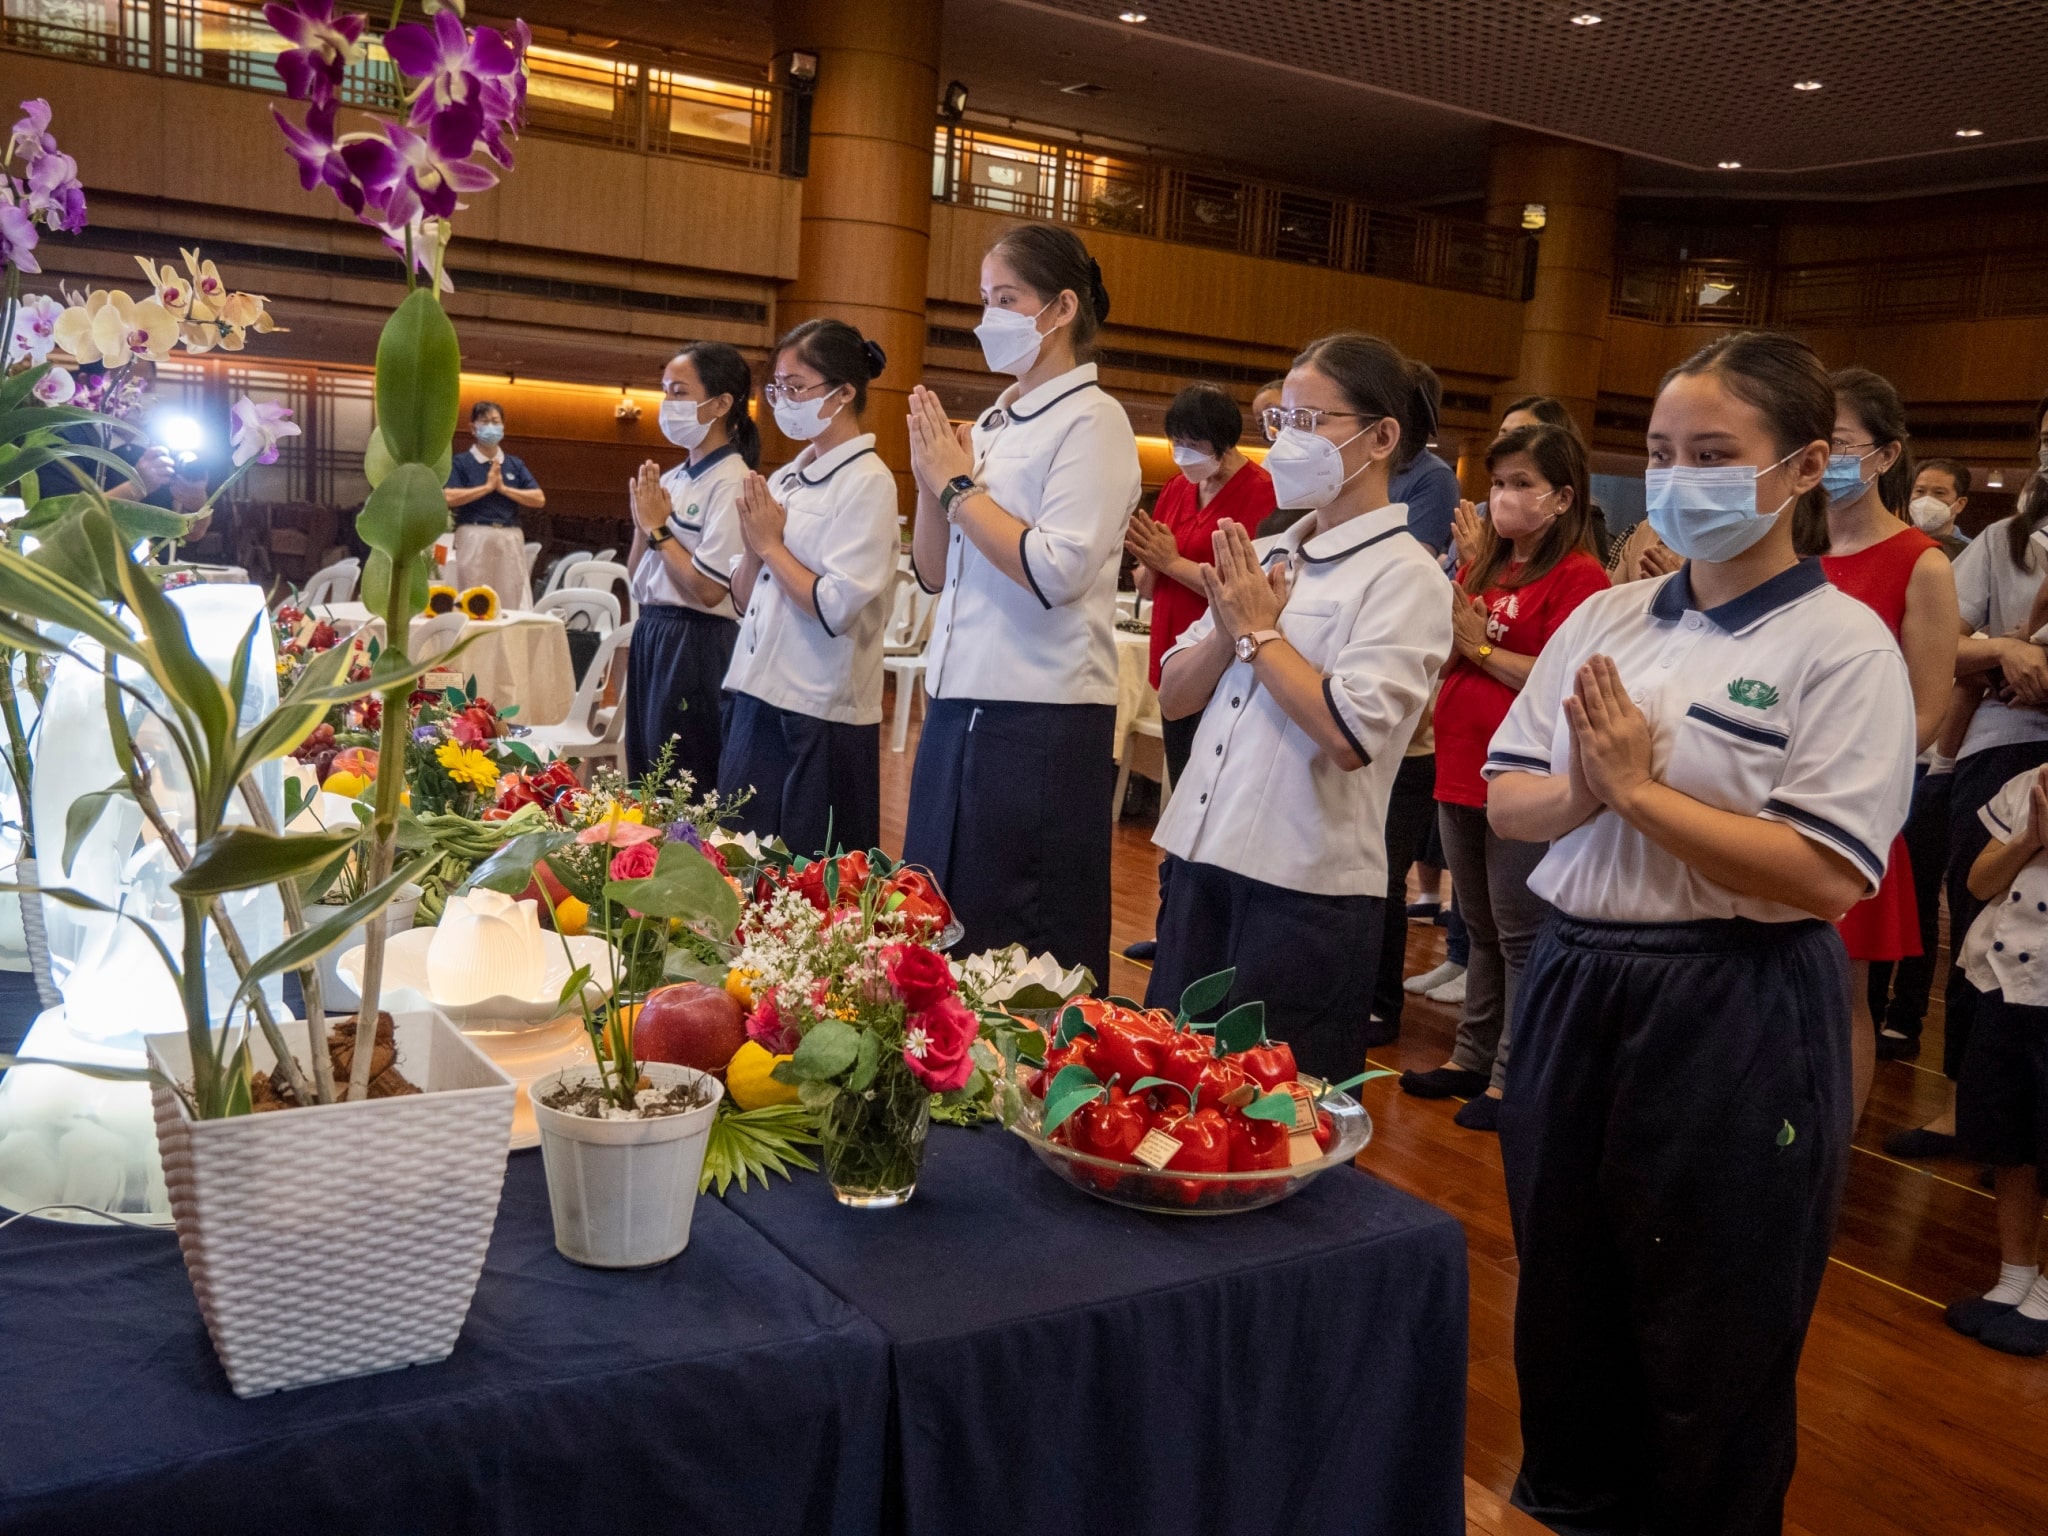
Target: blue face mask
x=489 y=433
x=1709 y=513
x=1844 y=478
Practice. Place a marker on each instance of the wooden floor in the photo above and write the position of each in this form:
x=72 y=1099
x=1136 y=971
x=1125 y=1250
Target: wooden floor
x=1906 y=1428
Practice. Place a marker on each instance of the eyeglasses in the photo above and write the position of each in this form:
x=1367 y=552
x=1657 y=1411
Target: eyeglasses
x=1838 y=446
x=781 y=389
x=1275 y=418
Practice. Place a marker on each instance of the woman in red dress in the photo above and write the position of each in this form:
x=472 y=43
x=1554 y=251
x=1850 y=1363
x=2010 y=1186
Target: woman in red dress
x=1902 y=574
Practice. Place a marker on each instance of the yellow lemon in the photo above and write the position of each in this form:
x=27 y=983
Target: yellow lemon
x=347 y=785
x=571 y=916
x=747 y=1079
x=618 y=1029
x=736 y=987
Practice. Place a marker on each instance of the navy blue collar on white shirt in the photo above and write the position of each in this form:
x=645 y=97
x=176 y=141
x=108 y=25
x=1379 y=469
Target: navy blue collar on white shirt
x=817 y=469
x=1674 y=599
x=1342 y=541
x=1040 y=400
x=696 y=470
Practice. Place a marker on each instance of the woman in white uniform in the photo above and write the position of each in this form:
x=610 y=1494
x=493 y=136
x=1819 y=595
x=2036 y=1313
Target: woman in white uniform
x=686 y=541
x=804 y=727
x=1310 y=672
x=1020 y=526
x=1720 y=759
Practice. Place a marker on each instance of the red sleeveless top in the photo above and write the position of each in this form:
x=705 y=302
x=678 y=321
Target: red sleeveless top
x=1877 y=576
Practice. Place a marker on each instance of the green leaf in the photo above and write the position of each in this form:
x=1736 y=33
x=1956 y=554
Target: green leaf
x=1072 y=1022
x=866 y=1062
x=95 y=1070
x=817 y=1097
x=85 y=813
x=1352 y=1082
x=1144 y=1083
x=405 y=514
x=281 y=731
x=510 y=869
x=241 y=858
x=377 y=582
x=1277 y=1107
x=30 y=591
x=241 y=1092
x=1786 y=1134
x=65 y=896
x=755 y=1143
x=1241 y=1028
x=1206 y=992
x=378 y=462
x=684 y=885
x=828 y=1050
x=294 y=798
x=1060 y=1105
x=572 y=989
x=419 y=379
x=177 y=668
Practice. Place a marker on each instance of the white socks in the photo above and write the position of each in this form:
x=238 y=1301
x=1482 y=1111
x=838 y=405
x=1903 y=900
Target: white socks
x=2035 y=1307
x=2018 y=1283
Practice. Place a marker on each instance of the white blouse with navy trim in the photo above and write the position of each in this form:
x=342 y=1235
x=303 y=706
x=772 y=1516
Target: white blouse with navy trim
x=704 y=516
x=1063 y=461
x=842 y=524
x=1790 y=703
x=1371 y=611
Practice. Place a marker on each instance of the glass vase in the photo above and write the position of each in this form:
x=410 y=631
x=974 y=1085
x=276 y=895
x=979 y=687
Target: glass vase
x=873 y=1141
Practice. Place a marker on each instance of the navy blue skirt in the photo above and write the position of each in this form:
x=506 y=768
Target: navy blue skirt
x=675 y=673
x=817 y=783
x=1010 y=812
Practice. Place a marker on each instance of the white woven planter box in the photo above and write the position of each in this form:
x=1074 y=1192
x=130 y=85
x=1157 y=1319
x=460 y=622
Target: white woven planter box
x=345 y=1238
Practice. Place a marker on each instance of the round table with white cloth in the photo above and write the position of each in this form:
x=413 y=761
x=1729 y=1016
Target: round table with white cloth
x=1135 y=696
x=519 y=659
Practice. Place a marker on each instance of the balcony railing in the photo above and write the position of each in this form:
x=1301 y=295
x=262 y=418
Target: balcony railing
x=652 y=104
x=1077 y=184
x=1962 y=285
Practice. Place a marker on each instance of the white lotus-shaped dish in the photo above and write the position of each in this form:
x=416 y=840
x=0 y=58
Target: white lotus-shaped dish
x=405 y=965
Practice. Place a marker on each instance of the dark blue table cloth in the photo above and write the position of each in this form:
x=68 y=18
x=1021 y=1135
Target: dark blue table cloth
x=1061 y=1364
x=726 y=1391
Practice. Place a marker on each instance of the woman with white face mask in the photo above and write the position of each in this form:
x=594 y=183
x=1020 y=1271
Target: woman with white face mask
x=1532 y=563
x=1020 y=525
x=1719 y=760
x=804 y=730
x=686 y=540
x=1309 y=673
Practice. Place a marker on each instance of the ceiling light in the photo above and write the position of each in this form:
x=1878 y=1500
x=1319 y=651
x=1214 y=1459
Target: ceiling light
x=1133 y=17
x=1534 y=216
x=953 y=105
x=1586 y=19
x=1969 y=133
x=1805 y=85
x=1730 y=165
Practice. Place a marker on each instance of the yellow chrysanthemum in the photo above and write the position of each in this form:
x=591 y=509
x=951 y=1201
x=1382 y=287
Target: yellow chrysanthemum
x=440 y=599
x=466 y=765
x=479 y=603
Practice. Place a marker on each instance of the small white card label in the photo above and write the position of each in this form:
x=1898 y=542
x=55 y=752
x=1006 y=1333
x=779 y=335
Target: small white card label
x=1156 y=1150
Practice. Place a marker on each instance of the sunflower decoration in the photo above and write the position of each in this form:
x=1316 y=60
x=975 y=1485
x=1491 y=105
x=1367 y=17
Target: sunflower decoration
x=480 y=603
x=440 y=599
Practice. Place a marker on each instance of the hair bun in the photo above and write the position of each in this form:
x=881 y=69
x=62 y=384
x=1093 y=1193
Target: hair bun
x=877 y=358
x=1098 y=296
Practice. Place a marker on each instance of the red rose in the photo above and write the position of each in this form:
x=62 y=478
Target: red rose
x=766 y=1028
x=635 y=862
x=921 y=976
x=938 y=1042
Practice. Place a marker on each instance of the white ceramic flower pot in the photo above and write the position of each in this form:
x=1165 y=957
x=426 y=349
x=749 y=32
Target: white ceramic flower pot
x=336 y=994
x=622 y=1191
x=345 y=1238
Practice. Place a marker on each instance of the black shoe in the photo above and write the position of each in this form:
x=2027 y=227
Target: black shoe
x=2016 y=1333
x=1892 y=1046
x=1969 y=1315
x=1480 y=1114
x=1444 y=1083
x=1144 y=950
x=1429 y=909
x=1382 y=1032
x=1920 y=1143
x=1442 y=918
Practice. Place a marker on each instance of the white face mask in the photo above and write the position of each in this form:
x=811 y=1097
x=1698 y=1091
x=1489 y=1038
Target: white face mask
x=803 y=420
x=1195 y=464
x=1930 y=513
x=679 y=423
x=1308 y=469
x=1009 y=340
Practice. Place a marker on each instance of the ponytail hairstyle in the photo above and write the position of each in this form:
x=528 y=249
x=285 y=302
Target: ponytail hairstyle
x=1784 y=380
x=2033 y=512
x=1376 y=381
x=724 y=372
x=1051 y=260
x=1872 y=400
x=839 y=353
x=1560 y=458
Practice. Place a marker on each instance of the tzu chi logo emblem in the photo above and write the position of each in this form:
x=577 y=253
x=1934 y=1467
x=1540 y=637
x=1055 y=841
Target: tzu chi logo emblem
x=1509 y=607
x=1751 y=694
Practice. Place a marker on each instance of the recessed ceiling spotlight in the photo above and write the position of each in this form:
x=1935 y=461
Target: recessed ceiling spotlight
x=1730 y=165
x=1969 y=133
x=1586 y=19
x=1133 y=17
x=1805 y=85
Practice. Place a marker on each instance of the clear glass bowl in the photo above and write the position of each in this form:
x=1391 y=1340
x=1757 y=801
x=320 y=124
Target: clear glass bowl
x=1194 y=1194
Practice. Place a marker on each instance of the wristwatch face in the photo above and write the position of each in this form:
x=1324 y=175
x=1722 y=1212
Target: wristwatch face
x=961 y=484
x=1247 y=647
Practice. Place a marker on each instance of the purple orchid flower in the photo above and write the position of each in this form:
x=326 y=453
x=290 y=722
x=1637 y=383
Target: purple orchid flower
x=31 y=135
x=456 y=70
x=406 y=176
x=54 y=192
x=320 y=158
x=17 y=238
x=324 y=45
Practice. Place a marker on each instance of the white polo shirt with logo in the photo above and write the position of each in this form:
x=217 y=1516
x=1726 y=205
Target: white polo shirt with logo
x=1790 y=703
x=2007 y=947
x=704 y=516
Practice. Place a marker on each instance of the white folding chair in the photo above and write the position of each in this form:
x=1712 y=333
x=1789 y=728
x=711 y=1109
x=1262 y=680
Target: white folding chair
x=606 y=554
x=437 y=636
x=582 y=608
x=602 y=575
x=334 y=583
x=562 y=568
x=583 y=734
x=532 y=554
x=1146 y=728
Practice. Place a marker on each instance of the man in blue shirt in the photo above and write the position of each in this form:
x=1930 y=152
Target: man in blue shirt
x=487 y=488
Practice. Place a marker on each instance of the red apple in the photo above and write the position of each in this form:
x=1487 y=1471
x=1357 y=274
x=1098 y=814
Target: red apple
x=555 y=895
x=691 y=1025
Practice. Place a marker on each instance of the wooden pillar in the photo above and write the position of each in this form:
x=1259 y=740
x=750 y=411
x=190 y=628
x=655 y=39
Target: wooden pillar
x=867 y=207
x=1564 y=324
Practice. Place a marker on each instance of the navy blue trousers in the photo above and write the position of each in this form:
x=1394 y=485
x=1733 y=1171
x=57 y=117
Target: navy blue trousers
x=1675 y=1136
x=813 y=779
x=1010 y=813
x=1310 y=959
x=675 y=672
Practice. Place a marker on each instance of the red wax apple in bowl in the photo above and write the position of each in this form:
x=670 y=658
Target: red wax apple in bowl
x=691 y=1025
